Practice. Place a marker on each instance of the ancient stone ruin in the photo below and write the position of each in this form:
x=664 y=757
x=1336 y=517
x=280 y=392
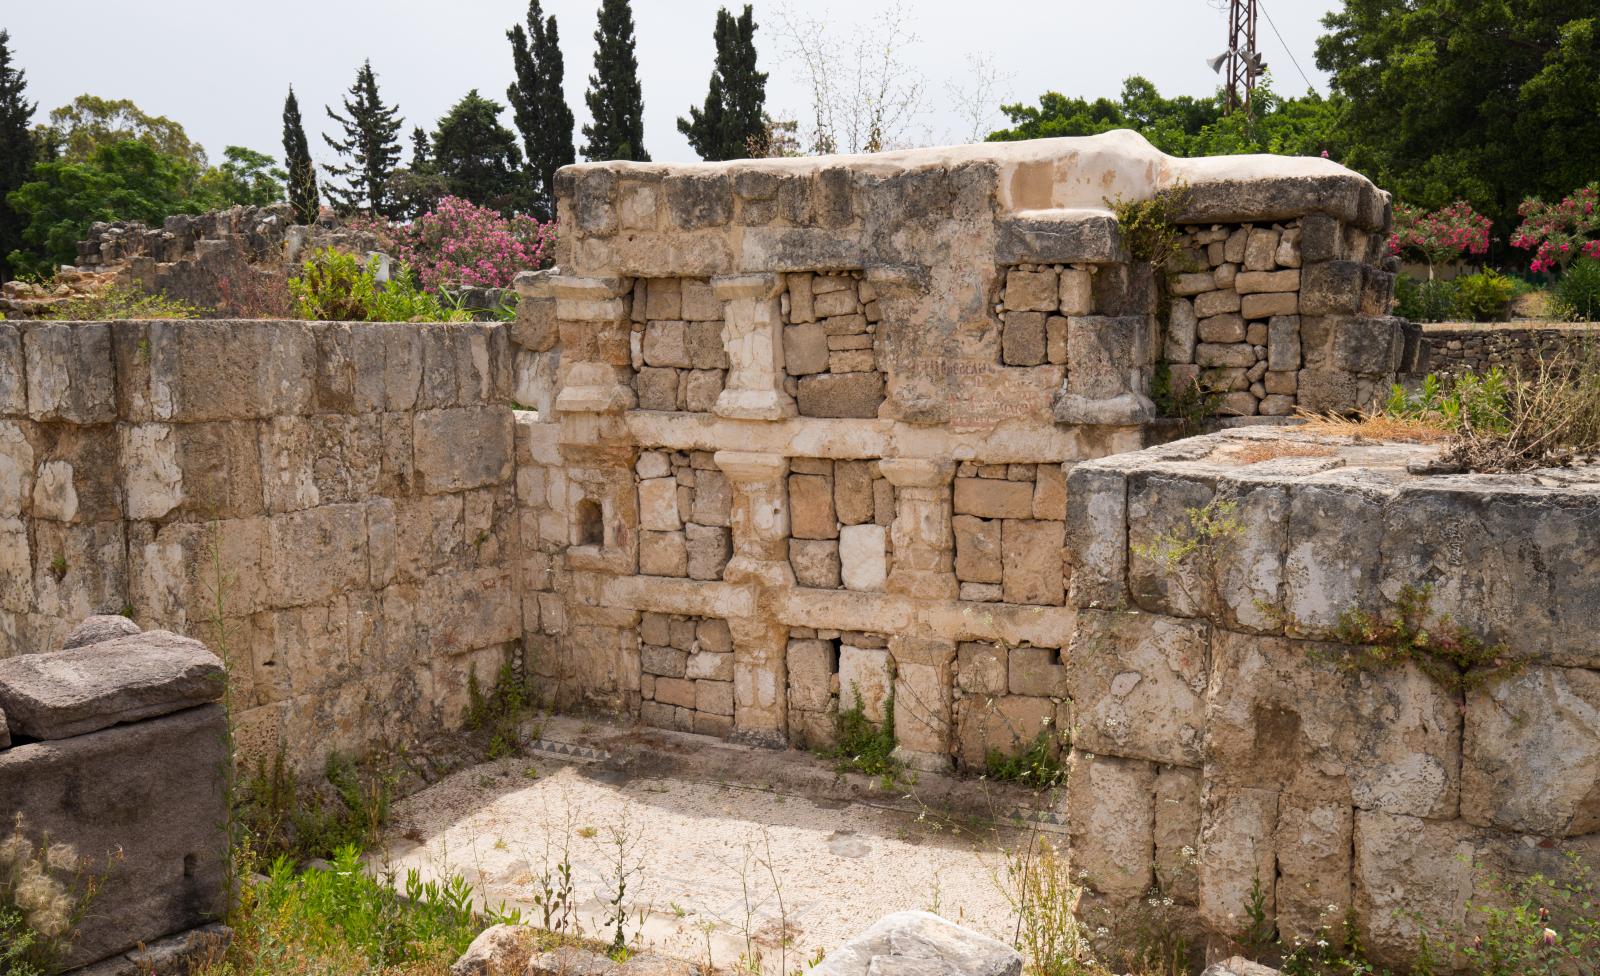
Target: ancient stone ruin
x=804 y=428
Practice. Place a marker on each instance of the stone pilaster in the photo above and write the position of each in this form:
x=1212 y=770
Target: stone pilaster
x=753 y=336
x=760 y=682
x=924 y=545
x=922 y=700
x=592 y=315
x=760 y=518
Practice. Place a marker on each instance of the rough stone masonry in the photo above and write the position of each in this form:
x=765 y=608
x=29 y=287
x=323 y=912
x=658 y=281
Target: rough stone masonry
x=812 y=428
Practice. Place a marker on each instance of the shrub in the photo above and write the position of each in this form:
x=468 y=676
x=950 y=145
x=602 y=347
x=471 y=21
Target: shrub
x=1483 y=297
x=1035 y=765
x=1439 y=236
x=1560 y=231
x=863 y=747
x=120 y=302
x=1577 y=294
x=1425 y=301
x=1540 y=925
x=45 y=891
x=460 y=244
x=335 y=287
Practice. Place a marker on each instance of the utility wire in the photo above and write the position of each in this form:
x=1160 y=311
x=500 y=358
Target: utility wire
x=1263 y=8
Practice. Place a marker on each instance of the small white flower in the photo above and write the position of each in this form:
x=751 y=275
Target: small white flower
x=1167 y=902
x=1102 y=930
x=1322 y=943
x=1333 y=908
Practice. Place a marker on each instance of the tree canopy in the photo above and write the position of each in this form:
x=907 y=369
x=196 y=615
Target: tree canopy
x=539 y=107
x=89 y=124
x=19 y=150
x=738 y=92
x=369 y=144
x=477 y=156
x=615 y=99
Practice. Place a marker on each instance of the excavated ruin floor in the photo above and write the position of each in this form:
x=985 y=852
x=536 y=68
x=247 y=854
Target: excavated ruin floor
x=705 y=829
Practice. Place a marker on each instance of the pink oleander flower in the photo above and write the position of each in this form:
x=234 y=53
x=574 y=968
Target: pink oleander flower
x=1559 y=232
x=461 y=244
x=1441 y=236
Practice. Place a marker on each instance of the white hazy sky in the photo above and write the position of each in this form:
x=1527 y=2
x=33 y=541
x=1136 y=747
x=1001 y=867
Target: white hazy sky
x=221 y=67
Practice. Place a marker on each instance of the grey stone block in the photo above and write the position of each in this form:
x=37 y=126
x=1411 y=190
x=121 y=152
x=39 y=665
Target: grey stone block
x=920 y=944
x=710 y=548
x=1283 y=342
x=1331 y=288
x=1368 y=345
x=815 y=562
x=99 y=628
x=1023 y=339
x=1326 y=391
x=657 y=388
x=841 y=395
x=69 y=693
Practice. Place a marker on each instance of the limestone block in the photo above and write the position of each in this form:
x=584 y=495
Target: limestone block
x=1216 y=303
x=657 y=716
x=70 y=375
x=471 y=610
x=914 y=941
x=713 y=636
x=704 y=665
x=715 y=697
x=704 y=386
x=713 y=498
x=655 y=628
x=1055 y=340
x=1023 y=339
x=1288 y=254
x=1077 y=292
x=815 y=562
x=1050 y=492
x=667 y=662
x=1531 y=755
x=1283 y=344
x=981 y=669
x=1226 y=328
x=535 y=327
x=811 y=512
x=705 y=346
x=800 y=305
x=811 y=669
x=681 y=634
x=1330 y=287
x=844 y=325
x=922 y=711
x=852 y=492
x=1194 y=284
x=1138 y=684
x=1182 y=331
x=883 y=502
x=1097 y=509
x=1226 y=274
x=1277 y=405
x=1111 y=824
x=667 y=344
x=1367 y=345
x=1029 y=291
x=862 y=552
x=1236 y=355
x=657 y=389
x=865 y=671
x=1030 y=553
x=977 y=548
x=1326 y=391
x=13 y=373
x=1267 y=305
x=461 y=448
x=98 y=628
x=988 y=498
x=317 y=554
x=1260 y=250
x=698 y=302
x=843 y=395
x=665 y=299
x=1253 y=282
x=658 y=505
x=1313 y=845
x=1280 y=383
x=1321 y=581
x=663 y=554
x=17 y=468
x=1278 y=717
x=851 y=361
x=675 y=691
x=1237 y=829
x=1236 y=245
x=1406 y=865
x=710 y=548
x=1036 y=671
x=1177 y=832
x=653 y=464
x=805 y=349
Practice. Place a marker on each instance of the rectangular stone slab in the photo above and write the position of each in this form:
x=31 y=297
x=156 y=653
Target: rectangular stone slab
x=68 y=693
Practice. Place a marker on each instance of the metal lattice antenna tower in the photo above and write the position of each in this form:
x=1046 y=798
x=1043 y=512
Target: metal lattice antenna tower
x=1244 y=61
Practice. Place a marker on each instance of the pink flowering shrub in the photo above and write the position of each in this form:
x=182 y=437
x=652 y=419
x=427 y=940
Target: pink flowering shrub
x=460 y=244
x=1439 y=236
x=1560 y=231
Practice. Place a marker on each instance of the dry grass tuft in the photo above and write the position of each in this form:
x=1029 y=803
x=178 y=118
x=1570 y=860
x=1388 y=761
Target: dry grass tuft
x=1374 y=427
x=1257 y=451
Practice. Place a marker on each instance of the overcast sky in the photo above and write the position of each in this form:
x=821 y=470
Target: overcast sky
x=221 y=67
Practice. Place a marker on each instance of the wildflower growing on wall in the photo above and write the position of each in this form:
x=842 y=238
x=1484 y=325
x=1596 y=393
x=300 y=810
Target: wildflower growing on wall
x=1560 y=231
x=1440 y=236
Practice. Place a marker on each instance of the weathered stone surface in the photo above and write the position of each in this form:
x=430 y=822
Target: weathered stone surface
x=675 y=691
x=1216 y=303
x=1138 y=684
x=663 y=554
x=1237 y=829
x=1050 y=492
x=811 y=513
x=1177 y=831
x=982 y=669
x=665 y=299
x=1251 y=282
x=1330 y=288
x=805 y=349
x=715 y=697
x=1283 y=343
x=73 y=692
x=1239 y=966
x=1077 y=292
x=842 y=395
x=667 y=344
x=710 y=548
x=862 y=552
x=1260 y=248
x=1406 y=865
x=811 y=668
x=977 y=549
x=713 y=636
x=657 y=388
x=157 y=776
x=988 y=498
x=1325 y=391
x=815 y=562
x=852 y=492
x=1313 y=846
x=1226 y=328
x=96 y=629
x=1103 y=352
x=1270 y=304
x=713 y=498
x=708 y=666
x=1028 y=291
x=498 y=950
x=1111 y=825
x=1182 y=331
x=915 y=943
x=1233 y=355
x=1031 y=557
x=865 y=671
x=704 y=387
x=1367 y=345
x=1194 y=284
x=1036 y=671
x=468 y=447
x=1023 y=340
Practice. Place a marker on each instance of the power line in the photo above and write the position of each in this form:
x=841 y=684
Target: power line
x=1274 y=27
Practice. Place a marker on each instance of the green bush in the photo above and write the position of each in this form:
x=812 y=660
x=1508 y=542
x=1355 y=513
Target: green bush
x=335 y=287
x=1483 y=297
x=1425 y=301
x=1577 y=294
x=1035 y=766
x=863 y=747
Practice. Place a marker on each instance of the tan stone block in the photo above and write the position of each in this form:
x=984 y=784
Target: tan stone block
x=805 y=349
x=1036 y=671
x=667 y=344
x=698 y=302
x=1260 y=248
x=1055 y=340
x=977 y=549
x=1238 y=405
x=665 y=662
x=81 y=570
x=1050 y=492
x=852 y=361
x=882 y=501
x=1313 y=845
x=655 y=628
x=1138 y=684
x=841 y=343
x=815 y=562
x=830 y=283
x=1029 y=291
x=862 y=557
x=1237 y=829
x=1216 y=303
x=1005 y=723
x=1023 y=339
x=922 y=708
x=1277 y=406
x=1280 y=383
x=663 y=554
x=658 y=505
x=1268 y=305
x=682 y=634
x=713 y=498
x=836 y=303
x=714 y=697
x=811 y=512
x=706 y=723
x=429 y=531
x=1194 y=284
x=811 y=667
x=470 y=610
x=1111 y=825
x=657 y=715
x=800 y=306
x=987 y=498
x=839 y=325
x=467 y=447
x=1182 y=331
x=1289 y=249
x=981 y=669
x=713 y=637
x=1250 y=282
x=1226 y=274
x=665 y=299
x=1236 y=245
x=852 y=492
x=1077 y=293
x=1226 y=328
x=317 y=554
x=1238 y=355
x=704 y=665
x=1531 y=753
x=865 y=671
x=675 y=691
x=1408 y=866
x=1177 y=832
x=1030 y=551
x=710 y=548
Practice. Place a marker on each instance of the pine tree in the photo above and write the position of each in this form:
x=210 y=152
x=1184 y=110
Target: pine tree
x=615 y=100
x=540 y=108
x=19 y=150
x=370 y=144
x=733 y=110
x=419 y=150
x=303 y=199
x=477 y=155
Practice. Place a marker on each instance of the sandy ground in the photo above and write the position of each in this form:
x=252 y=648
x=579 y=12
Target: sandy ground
x=712 y=861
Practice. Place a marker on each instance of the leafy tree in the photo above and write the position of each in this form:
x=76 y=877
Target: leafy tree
x=477 y=155
x=18 y=150
x=126 y=180
x=370 y=145
x=615 y=99
x=302 y=175
x=247 y=177
x=540 y=108
x=89 y=124
x=733 y=111
x=1490 y=102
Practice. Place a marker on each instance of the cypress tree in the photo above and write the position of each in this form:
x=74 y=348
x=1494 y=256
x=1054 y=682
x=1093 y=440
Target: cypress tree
x=19 y=150
x=539 y=107
x=477 y=155
x=419 y=150
x=303 y=199
x=732 y=113
x=369 y=143
x=615 y=100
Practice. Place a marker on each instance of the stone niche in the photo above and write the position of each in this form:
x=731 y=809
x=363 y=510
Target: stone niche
x=839 y=514
x=685 y=515
x=686 y=673
x=830 y=344
x=678 y=357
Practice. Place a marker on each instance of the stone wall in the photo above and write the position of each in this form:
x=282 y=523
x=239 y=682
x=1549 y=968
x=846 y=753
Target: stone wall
x=1202 y=726
x=362 y=482
x=1481 y=350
